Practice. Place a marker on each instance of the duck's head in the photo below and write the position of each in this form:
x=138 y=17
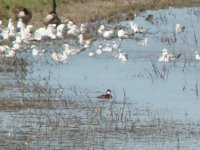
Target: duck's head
x=108 y=92
x=26 y=12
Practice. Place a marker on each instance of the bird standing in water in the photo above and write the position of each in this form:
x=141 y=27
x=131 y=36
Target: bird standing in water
x=106 y=96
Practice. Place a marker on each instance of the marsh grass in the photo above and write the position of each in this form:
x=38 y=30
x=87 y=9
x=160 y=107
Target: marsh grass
x=12 y=64
x=87 y=124
x=50 y=120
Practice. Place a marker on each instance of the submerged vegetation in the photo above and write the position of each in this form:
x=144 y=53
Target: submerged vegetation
x=89 y=10
x=84 y=124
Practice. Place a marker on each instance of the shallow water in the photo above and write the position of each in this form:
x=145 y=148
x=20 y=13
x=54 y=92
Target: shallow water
x=96 y=74
x=175 y=96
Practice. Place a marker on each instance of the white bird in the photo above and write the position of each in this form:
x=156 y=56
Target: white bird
x=73 y=30
x=29 y=28
x=10 y=26
x=20 y=24
x=17 y=47
x=180 y=28
x=59 y=57
x=61 y=31
x=1 y=22
x=1 y=25
x=61 y=27
x=123 y=34
x=107 y=48
x=123 y=56
x=92 y=54
x=41 y=34
x=87 y=28
x=10 y=53
x=10 y=30
x=27 y=33
x=136 y=28
x=167 y=57
x=107 y=34
x=85 y=40
x=37 y=51
x=163 y=57
x=51 y=31
x=197 y=55
x=99 y=50
x=69 y=23
x=116 y=45
x=17 y=44
x=143 y=42
x=72 y=51
x=101 y=29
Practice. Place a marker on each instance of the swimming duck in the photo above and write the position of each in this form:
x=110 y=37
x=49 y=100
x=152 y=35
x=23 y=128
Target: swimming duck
x=106 y=96
x=167 y=57
x=59 y=57
x=143 y=42
x=180 y=28
x=99 y=49
x=136 y=28
x=123 y=34
x=107 y=34
x=36 y=51
x=197 y=56
x=149 y=18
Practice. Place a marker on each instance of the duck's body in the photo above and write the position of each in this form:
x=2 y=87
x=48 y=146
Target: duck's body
x=106 y=34
x=136 y=28
x=149 y=18
x=37 y=51
x=52 y=18
x=25 y=15
x=85 y=40
x=99 y=50
x=180 y=28
x=197 y=56
x=106 y=96
x=167 y=57
x=59 y=57
x=123 y=34
x=143 y=42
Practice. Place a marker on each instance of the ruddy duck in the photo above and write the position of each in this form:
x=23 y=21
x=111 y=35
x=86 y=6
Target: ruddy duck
x=106 y=96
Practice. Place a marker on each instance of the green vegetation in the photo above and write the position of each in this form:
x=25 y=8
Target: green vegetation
x=88 y=10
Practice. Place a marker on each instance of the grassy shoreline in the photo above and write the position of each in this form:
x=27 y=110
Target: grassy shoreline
x=89 y=10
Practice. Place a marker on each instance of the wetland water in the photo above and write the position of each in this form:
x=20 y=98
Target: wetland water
x=155 y=105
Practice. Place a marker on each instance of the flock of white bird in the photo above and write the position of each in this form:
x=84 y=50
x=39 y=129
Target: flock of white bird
x=21 y=35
